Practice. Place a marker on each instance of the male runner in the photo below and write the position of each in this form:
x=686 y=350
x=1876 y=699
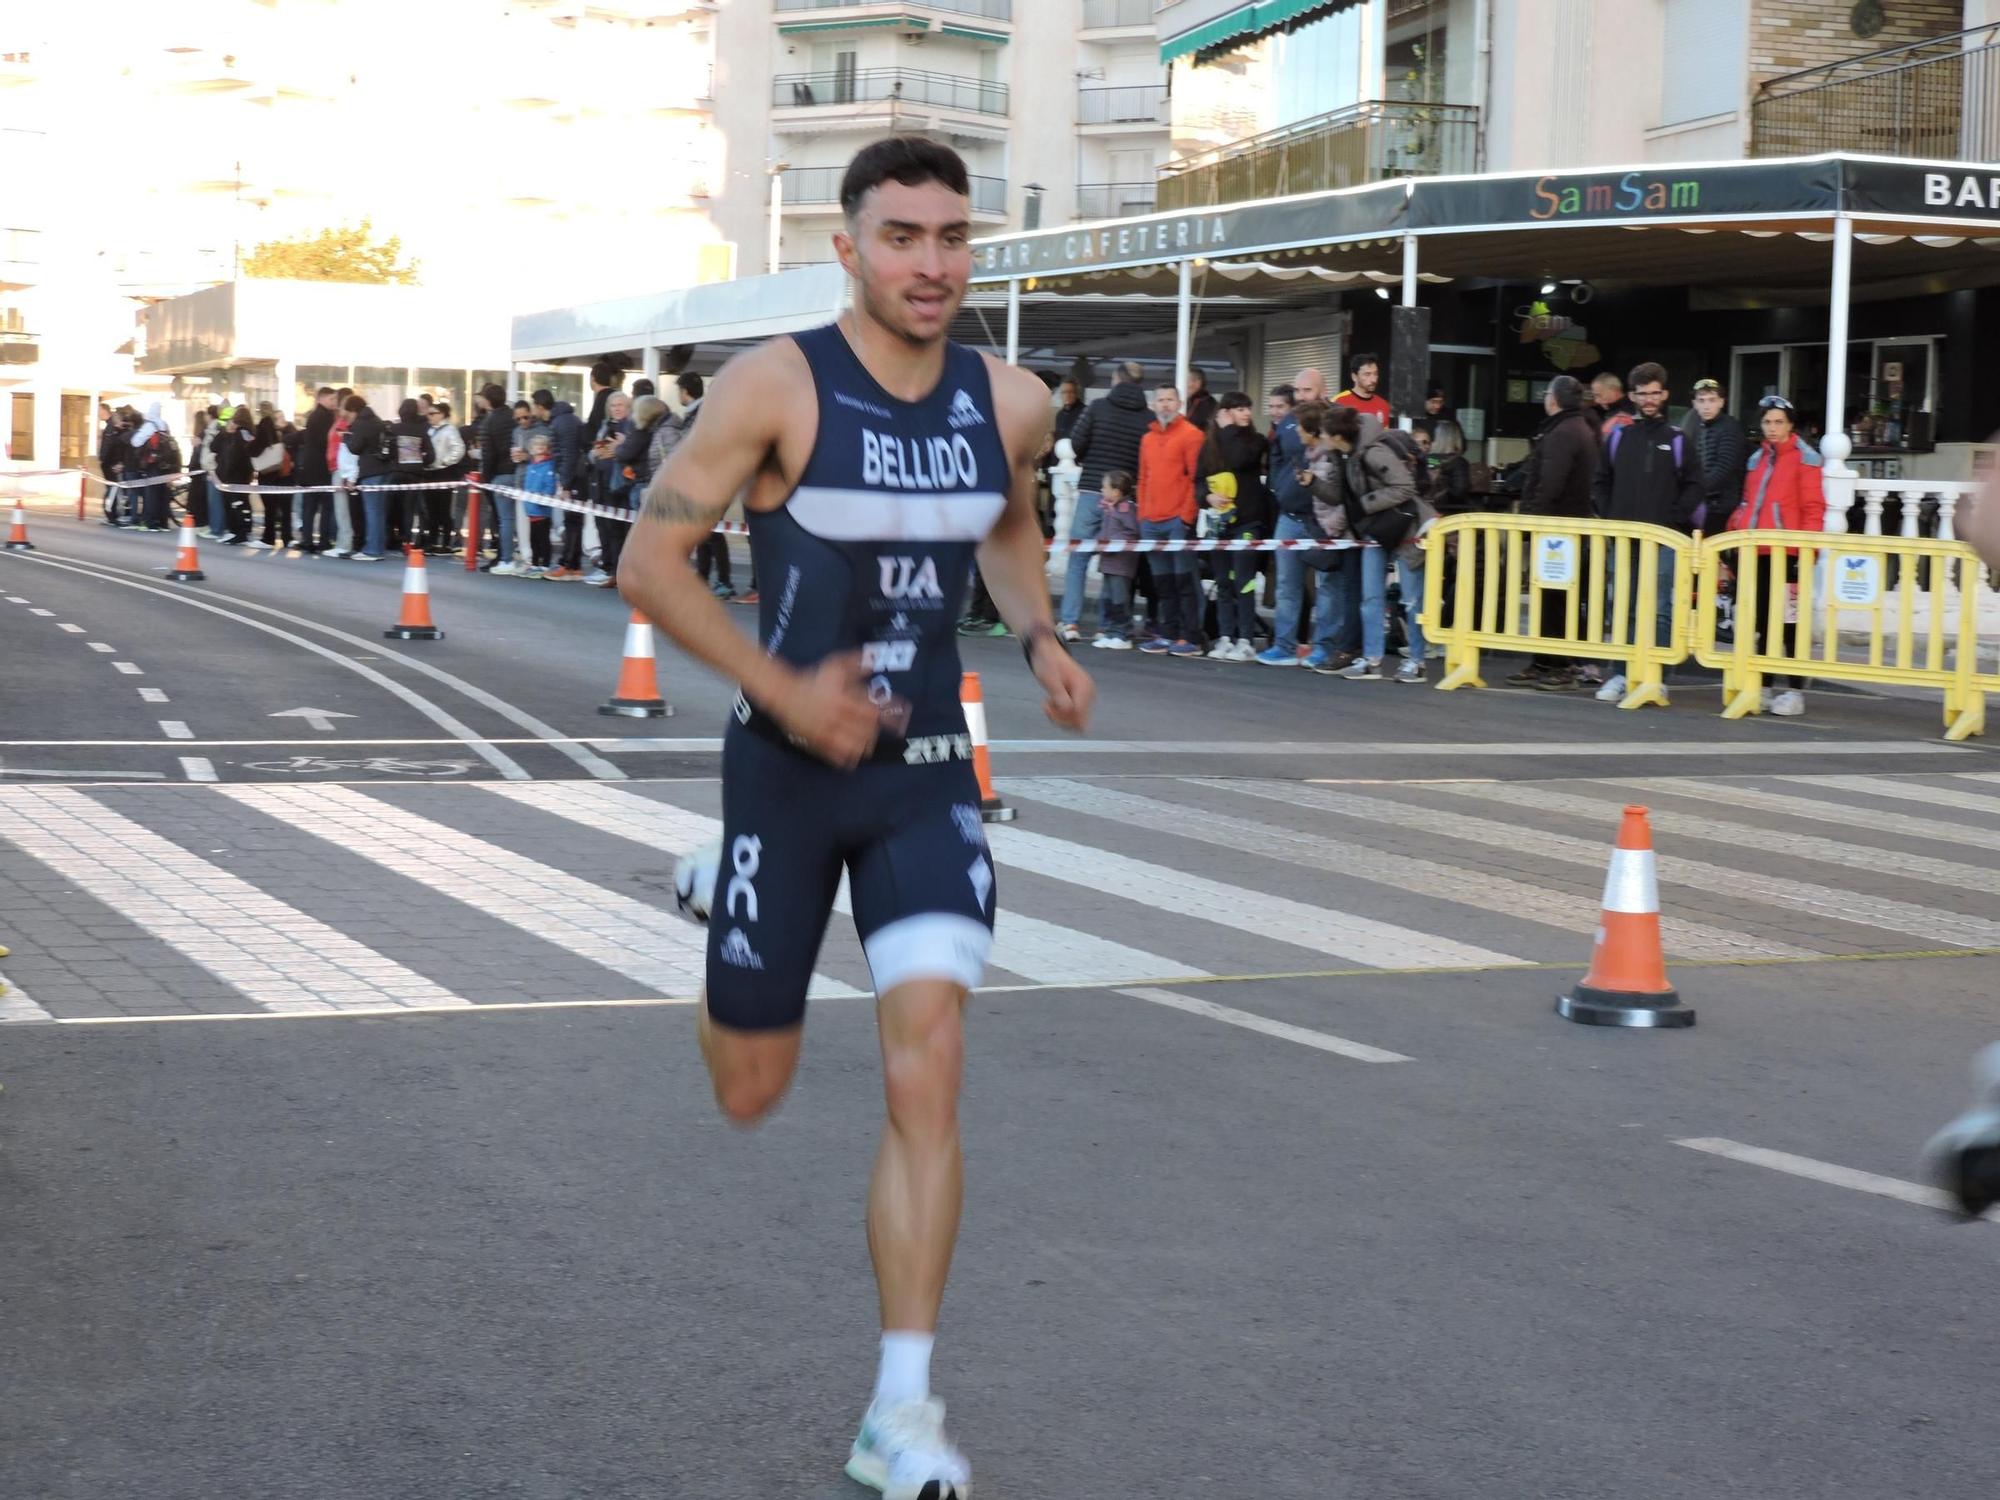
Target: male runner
x=874 y=457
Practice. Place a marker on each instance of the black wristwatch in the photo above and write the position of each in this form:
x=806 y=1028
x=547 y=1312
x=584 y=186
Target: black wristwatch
x=1034 y=635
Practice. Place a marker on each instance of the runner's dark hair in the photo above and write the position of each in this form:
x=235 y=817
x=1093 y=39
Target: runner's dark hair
x=911 y=160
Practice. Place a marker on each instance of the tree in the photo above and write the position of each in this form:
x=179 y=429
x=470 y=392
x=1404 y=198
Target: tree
x=343 y=254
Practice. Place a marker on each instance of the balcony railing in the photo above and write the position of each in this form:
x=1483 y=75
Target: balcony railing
x=1114 y=200
x=1938 y=98
x=20 y=348
x=1138 y=104
x=1101 y=15
x=1368 y=142
x=817 y=185
x=992 y=10
x=888 y=86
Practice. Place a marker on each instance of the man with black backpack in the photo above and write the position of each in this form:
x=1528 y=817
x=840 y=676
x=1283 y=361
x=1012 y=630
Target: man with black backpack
x=154 y=455
x=1647 y=471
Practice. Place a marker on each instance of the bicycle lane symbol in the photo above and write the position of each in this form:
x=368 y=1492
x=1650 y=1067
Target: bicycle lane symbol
x=375 y=765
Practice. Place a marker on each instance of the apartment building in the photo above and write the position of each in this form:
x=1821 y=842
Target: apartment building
x=1289 y=96
x=1058 y=106
x=517 y=150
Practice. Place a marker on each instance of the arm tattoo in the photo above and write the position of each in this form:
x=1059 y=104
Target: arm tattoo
x=673 y=507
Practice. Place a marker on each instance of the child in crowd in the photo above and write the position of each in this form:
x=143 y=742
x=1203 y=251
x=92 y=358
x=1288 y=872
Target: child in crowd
x=539 y=478
x=1236 y=573
x=1120 y=517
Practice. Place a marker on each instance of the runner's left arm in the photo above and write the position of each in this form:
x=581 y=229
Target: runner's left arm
x=1012 y=558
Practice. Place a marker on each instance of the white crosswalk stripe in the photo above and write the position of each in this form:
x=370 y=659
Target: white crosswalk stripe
x=17 y=1005
x=1931 y=795
x=1571 y=911
x=1825 y=810
x=275 y=955
x=1361 y=940
x=652 y=947
x=1863 y=909
x=1041 y=951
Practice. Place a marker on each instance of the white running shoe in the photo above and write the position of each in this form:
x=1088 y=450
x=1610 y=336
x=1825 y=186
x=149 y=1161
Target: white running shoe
x=901 y=1451
x=1113 y=643
x=1224 y=649
x=1789 y=704
x=504 y=570
x=1244 y=652
x=1613 y=690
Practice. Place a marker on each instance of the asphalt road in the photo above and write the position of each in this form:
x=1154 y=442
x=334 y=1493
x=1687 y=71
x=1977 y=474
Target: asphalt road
x=1284 y=1178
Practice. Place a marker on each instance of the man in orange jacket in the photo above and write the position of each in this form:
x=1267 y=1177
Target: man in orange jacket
x=1168 y=455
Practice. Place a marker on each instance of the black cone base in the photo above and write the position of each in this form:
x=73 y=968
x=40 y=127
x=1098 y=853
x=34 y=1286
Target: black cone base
x=187 y=575
x=20 y=546
x=1589 y=1007
x=413 y=633
x=993 y=810
x=637 y=708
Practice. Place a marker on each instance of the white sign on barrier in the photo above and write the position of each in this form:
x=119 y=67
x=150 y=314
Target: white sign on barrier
x=1857 y=579
x=1555 y=561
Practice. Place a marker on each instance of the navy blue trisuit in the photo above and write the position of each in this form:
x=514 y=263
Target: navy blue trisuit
x=871 y=552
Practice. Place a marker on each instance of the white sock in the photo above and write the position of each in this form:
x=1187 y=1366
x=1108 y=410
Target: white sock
x=905 y=1371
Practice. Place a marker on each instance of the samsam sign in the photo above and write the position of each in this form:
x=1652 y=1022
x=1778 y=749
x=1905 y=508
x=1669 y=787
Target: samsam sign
x=1636 y=194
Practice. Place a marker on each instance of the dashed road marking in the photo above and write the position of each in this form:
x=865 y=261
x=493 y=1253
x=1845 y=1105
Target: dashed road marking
x=275 y=955
x=197 y=768
x=46 y=614
x=1822 y=1171
x=72 y=629
x=129 y=668
x=175 y=729
x=1324 y=1041
x=100 y=646
x=152 y=695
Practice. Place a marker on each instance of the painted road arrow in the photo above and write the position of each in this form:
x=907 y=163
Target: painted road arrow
x=318 y=718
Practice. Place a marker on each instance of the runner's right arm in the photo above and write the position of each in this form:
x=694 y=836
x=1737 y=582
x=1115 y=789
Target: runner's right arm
x=742 y=422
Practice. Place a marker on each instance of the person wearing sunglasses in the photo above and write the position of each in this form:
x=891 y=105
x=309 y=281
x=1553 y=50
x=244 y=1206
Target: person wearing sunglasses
x=1719 y=440
x=1781 y=492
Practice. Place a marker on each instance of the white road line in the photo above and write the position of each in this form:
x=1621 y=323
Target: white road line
x=15 y=599
x=1321 y=929
x=1863 y=910
x=1822 y=1171
x=1034 y=949
x=1931 y=795
x=100 y=646
x=1814 y=809
x=174 y=729
x=1325 y=1041
x=129 y=668
x=47 y=614
x=1526 y=750
x=72 y=629
x=197 y=768
x=152 y=695
x=1707 y=827
x=1571 y=911
x=1850 y=906
x=16 y=1005
x=644 y=943
x=274 y=955
x=576 y=750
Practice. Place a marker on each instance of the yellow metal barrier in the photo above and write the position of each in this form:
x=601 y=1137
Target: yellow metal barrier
x=1587 y=581
x=1917 y=598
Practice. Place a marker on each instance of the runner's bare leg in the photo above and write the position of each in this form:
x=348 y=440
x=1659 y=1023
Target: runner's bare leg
x=919 y=1181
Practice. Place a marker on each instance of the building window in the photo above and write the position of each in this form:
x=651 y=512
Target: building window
x=1703 y=62
x=381 y=386
x=447 y=386
x=22 y=444
x=309 y=378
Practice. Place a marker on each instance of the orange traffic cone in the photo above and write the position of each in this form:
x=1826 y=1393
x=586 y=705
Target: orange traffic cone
x=414 y=624
x=17 y=538
x=991 y=808
x=1627 y=983
x=187 y=567
x=638 y=692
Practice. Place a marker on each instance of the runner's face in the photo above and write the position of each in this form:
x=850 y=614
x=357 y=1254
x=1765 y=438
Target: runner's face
x=909 y=250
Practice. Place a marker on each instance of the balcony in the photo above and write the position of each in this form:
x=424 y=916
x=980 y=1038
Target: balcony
x=1118 y=15
x=1143 y=105
x=20 y=348
x=1373 y=141
x=973 y=20
x=1114 y=200
x=890 y=86
x=1938 y=98
x=20 y=258
x=816 y=189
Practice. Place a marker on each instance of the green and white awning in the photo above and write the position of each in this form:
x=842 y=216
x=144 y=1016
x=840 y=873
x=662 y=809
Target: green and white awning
x=1244 y=23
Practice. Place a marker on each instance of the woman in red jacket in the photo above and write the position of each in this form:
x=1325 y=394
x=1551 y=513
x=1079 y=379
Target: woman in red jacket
x=1781 y=492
